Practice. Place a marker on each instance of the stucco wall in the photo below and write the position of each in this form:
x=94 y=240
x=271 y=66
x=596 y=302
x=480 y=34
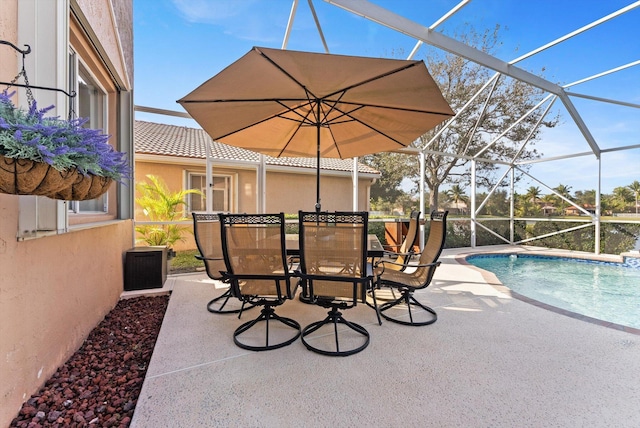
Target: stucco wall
x=53 y=290
x=289 y=192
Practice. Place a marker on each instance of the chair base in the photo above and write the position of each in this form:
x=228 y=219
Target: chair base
x=217 y=307
x=410 y=302
x=267 y=314
x=335 y=317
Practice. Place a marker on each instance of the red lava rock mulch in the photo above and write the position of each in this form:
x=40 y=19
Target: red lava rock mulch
x=99 y=385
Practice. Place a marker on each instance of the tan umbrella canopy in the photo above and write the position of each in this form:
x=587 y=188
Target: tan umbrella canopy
x=287 y=103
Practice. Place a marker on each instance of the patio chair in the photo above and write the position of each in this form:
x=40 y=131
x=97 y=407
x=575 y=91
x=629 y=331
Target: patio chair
x=206 y=230
x=254 y=252
x=405 y=252
x=408 y=283
x=333 y=263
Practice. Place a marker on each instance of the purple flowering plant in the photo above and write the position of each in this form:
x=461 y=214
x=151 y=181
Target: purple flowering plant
x=63 y=144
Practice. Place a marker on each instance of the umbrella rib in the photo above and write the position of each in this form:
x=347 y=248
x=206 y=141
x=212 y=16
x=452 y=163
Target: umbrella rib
x=348 y=114
x=378 y=77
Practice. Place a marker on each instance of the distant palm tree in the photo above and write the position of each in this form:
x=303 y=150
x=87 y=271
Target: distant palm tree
x=564 y=191
x=549 y=201
x=621 y=197
x=635 y=188
x=456 y=195
x=533 y=194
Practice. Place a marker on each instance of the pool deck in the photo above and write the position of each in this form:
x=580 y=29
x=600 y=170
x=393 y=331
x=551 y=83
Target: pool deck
x=491 y=360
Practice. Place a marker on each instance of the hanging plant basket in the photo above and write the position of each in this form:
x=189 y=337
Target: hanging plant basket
x=49 y=156
x=27 y=177
x=84 y=188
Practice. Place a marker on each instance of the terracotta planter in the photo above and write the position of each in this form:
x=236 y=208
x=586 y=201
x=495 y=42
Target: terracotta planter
x=26 y=177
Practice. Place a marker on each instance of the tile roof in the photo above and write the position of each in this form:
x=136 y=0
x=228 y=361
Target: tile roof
x=181 y=141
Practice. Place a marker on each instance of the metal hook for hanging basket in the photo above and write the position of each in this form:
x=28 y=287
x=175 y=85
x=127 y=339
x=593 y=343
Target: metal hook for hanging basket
x=23 y=73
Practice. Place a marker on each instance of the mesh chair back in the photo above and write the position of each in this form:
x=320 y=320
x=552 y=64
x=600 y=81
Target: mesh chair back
x=254 y=253
x=206 y=230
x=333 y=248
x=435 y=244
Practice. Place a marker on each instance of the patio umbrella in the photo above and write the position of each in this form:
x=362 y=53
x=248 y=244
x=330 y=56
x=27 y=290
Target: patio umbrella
x=299 y=104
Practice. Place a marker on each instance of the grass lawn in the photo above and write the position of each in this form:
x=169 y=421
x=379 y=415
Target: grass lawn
x=185 y=261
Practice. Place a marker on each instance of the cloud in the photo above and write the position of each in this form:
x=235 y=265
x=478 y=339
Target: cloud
x=211 y=11
x=252 y=20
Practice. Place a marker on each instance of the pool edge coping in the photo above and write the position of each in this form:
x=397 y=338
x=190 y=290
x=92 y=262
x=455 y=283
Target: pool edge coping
x=491 y=279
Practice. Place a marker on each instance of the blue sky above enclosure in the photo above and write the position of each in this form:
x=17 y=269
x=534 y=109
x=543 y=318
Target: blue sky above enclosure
x=181 y=43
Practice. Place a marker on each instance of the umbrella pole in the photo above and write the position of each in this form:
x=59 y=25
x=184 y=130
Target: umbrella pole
x=318 y=161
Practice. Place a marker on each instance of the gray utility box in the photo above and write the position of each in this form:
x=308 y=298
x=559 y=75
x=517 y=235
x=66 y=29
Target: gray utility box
x=145 y=267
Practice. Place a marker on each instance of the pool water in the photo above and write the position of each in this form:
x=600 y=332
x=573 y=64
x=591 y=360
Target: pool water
x=603 y=290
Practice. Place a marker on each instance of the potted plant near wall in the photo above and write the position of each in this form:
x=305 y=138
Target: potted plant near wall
x=49 y=156
x=161 y=205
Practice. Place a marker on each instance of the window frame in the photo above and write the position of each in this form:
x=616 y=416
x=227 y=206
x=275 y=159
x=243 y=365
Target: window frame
x=77 y=68
x=229 y=198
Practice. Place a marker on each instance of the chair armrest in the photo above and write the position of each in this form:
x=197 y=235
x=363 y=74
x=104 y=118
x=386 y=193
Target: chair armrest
x=199 y=257
x=397 y=254
x=378 y=272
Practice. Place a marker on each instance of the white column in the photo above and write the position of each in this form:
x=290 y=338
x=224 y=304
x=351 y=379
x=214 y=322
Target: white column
x=209 y=180
x=597 y=215
x=473 y=203
x=512 y=206
x=354 y=177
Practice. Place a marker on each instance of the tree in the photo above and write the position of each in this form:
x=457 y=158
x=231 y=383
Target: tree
x=564 y=191
x=635 y=188
x=456 y=195
x=622 y=196
x=585 y=197
x=459 y=79
x=533 y=194
x=549 y=200
x=498 y=203
x=387 y=187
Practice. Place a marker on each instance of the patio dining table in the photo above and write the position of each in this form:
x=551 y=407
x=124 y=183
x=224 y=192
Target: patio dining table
x=374 y=247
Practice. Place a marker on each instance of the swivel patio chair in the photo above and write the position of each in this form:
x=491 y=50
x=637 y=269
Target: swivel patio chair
x=408 y=283
x=206 y=230
x=333 y=264
x=254 y=252
x=405 y=252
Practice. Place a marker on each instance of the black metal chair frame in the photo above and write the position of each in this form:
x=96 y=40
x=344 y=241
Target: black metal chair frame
x=334 y=316
x=406 y=291
x=282 y=282
x=214 y=305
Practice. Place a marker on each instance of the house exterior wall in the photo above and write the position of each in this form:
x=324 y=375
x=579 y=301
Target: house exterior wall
x=286 y=191
x=175 y=177
x=290 y=192
x=55 y=289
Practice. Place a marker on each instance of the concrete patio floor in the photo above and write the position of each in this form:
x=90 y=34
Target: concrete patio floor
x=489 y=361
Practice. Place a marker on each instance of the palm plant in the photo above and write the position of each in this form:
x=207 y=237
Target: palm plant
x=159 y=204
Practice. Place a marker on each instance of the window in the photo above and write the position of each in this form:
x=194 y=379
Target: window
x=90 y=102
x=222 y=185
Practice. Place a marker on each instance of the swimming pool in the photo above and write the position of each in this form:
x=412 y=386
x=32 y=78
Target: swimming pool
x=602 y=290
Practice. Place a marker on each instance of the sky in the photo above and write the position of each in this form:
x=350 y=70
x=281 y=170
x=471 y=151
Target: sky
x=179 y=44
